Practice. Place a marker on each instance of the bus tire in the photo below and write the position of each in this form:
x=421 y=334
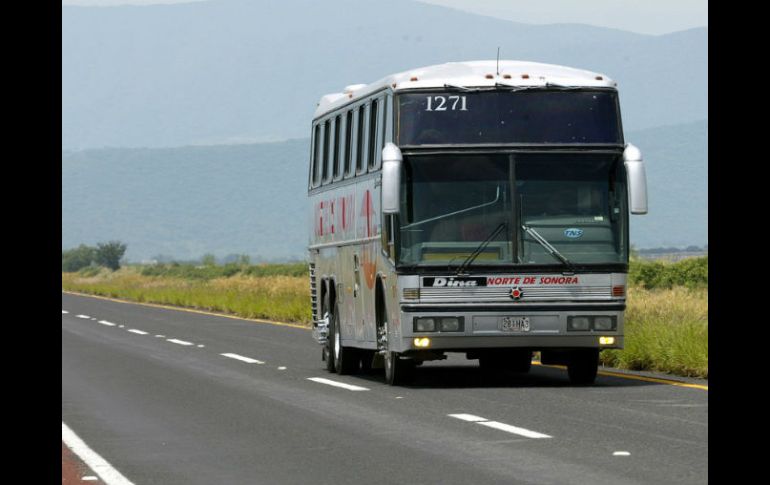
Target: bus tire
x=583 y=366
x=328 y=352
x=345 y=358
x=398 y=371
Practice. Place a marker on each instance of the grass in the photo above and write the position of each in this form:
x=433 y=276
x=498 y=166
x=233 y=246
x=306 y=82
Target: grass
x=666 y=330
x=666 y=327
x=278 y=297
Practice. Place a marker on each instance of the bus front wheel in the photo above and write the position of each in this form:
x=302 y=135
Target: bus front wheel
x=583 y=366
x=397 y=370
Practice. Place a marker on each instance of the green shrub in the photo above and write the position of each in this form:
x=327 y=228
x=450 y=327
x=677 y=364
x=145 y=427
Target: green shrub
x=690 y=272
x=208 y=272
x=75 y=259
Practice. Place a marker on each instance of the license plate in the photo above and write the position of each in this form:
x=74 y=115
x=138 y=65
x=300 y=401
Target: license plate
x=514 y=324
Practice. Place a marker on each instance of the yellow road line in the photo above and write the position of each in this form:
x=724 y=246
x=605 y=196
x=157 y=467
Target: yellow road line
x=293 y=325
x=189 y=310
x=639 y=378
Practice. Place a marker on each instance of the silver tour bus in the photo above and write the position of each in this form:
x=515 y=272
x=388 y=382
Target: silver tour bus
x=476 y=207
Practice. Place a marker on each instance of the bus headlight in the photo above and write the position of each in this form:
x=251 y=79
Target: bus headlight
x=450 y=324
x=425 y=324
x=604 y=323
x=578 y=323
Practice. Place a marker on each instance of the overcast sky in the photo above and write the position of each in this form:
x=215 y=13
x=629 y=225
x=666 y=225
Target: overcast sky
x=642 y=16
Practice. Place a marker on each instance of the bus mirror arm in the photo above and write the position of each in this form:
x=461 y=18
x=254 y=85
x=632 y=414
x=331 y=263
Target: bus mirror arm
x=637 y=180
x=391 y=179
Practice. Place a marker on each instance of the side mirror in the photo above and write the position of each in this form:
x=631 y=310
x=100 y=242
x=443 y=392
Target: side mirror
x=637 y=180
x=391 y=179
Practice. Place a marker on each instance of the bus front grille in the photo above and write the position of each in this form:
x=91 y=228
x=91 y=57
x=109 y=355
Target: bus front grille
x=534 y=293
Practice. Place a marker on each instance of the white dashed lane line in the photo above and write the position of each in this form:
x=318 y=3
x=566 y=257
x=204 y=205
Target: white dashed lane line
x=109 y=324
x=179 y=342
x=139 y=332
x=527 y=433
x=330 y=382
x=248 y=360
x=86 y=317
x=64 y=311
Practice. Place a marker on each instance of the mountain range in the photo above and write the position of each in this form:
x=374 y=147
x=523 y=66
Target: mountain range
x=252 y=198
x=242 y=71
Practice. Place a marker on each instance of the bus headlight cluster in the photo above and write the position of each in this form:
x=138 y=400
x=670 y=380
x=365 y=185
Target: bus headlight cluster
x=442 y=324
x=587 y=322
x=424 y=324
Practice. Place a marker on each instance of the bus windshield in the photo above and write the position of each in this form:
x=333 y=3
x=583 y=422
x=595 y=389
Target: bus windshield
x=451 y=204
x=574 y=116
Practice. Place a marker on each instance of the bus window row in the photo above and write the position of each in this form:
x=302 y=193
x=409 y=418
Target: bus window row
x=349 y=141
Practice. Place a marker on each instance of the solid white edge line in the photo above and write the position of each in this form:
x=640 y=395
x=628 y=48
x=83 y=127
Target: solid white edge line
x=514 y=429
x=180 y=342
x=468 y=417
x=106 y=472
x=248 y=360
x=330 y=382
x=140 y=332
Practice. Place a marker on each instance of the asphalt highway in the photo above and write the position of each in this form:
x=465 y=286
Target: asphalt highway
x=177 y=397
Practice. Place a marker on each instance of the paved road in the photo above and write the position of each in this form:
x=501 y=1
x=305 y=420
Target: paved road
x=150 y=391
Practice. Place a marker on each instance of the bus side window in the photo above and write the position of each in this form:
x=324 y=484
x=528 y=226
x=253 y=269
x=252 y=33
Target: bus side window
x=374 y=114
x=337 y=145
x=315 y=182
x=326 y=149
x=387 y=130
x=361 y=154
x=349 y=143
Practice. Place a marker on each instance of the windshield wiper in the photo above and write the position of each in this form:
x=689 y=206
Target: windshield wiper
x=480 y=248
x=462 y=211
x=548 y=84
x=548 y=247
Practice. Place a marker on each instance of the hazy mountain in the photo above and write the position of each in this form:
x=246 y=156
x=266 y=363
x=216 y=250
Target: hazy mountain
x=242 y=71
x=676 y=160
x=252 y=199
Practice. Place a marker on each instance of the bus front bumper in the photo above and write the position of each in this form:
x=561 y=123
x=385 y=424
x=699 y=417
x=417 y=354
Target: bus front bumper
x=545 y=328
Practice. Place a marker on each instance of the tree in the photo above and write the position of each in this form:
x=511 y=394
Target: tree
x=75 y=259
x=109 y=254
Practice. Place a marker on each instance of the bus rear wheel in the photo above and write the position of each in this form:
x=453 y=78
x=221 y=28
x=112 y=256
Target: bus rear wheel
x=583 y=366
x=345 y=359
x=328 y=348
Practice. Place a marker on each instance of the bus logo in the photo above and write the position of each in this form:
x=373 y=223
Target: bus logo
x=453 y=282
x=573 y=232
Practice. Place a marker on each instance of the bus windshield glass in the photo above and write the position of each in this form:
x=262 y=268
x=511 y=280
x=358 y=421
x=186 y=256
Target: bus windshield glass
x=529 y=116
x=451 y=204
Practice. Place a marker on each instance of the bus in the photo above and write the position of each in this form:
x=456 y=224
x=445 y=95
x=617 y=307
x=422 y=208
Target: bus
x=476 y=207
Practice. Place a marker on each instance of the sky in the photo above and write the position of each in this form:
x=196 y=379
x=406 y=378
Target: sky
x=653 y=17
